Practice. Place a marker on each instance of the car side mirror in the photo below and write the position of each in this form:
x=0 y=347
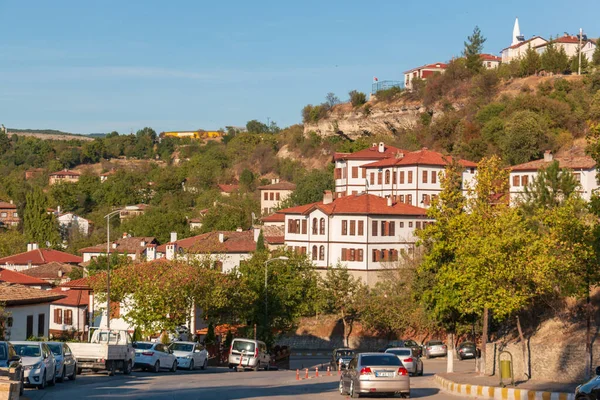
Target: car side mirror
x=14 y=359
x=598 y=370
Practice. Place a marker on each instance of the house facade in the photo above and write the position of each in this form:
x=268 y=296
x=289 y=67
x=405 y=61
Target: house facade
x=29 y=310
x=582 y=167
x=490 y=61
x=9 y=217
x=272 y=195
x=34 y=257
x=132 y=211
x=423 y=72
x=64 y=176
x=133 y=247
x=411 y=178
x=69 y=315
x=54 y=273
x=363 y=231
x=226 y=189
x=570 y=44
x=68 y=221
x=8 y=276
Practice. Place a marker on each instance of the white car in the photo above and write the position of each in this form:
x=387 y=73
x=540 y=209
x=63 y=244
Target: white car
x=154 y=356
x=38 y=362
x=190 y=355
x=412 y=363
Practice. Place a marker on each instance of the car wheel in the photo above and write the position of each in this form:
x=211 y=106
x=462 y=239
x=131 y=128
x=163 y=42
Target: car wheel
x=205 y=364
x=112 y=368
x=341 y=388
x=79 y=371
x=353 y=394
x=52 y=382
x=191 y=367
x=421 y=372
x=156 y=367
x=75 y=372
x=267 y=367
x=22 y=387
x=174 y=366
x=128 y=368
x=42 y=385
x=62 y=376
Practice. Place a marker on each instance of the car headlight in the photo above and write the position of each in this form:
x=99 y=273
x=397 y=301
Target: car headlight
x=34 y=366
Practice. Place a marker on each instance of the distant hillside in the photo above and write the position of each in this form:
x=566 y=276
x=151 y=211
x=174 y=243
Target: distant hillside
x=49 y=134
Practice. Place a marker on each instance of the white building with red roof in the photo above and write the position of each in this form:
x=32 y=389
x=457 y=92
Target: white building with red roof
x=132 y=247
x=69 y=315
x=8 y=276
x=363 y=231
x=407 y=177
x=490 y=61
x=423 y=72
x=570 y=44
x=64 y=176
x=35 y=257
x=273 y=194
x=582 y=167
x=519 y=45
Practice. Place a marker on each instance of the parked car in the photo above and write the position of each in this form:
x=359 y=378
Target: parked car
x=154 y=356
x=249 y=353
x=435 y=348
x=417 y=348
x=38 y=362
x=411 y=362
x=190 y=355
x=589 y=390
x=66 y=365
x=391 y=344
x=11 y=365
x=375 y=373
x=467 y=350
x=340 y=358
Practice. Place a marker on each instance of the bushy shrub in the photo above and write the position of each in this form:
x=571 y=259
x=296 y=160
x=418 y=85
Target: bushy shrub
x=389 y=95
x=357 y=98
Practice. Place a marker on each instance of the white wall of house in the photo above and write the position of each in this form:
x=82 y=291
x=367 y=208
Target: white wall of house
x=70 y=219
x=273 y=199
x=19 y=314
x=510 y=54
x=586 y=177
x=89 y=256
x=78 y=323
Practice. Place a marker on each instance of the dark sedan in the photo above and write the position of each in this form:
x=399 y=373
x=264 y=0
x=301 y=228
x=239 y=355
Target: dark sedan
x=340 y=358
x=416 y=348
x=10 y=364
x=467 y=350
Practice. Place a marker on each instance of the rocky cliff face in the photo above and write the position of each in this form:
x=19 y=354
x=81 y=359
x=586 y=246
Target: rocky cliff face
x=372 y=119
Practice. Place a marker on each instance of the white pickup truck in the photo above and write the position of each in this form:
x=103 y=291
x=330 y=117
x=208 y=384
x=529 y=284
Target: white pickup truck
x=107 y=350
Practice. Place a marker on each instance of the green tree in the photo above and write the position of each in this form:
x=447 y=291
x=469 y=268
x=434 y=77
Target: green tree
x=158 y=222
x=4 y=316
x=524 y=137
x=247 y=180
x=256 y=126
x=531 y=63
x=596 y=55
x=260 y=242
x=550 y=188
x=575 y=63
x=310 y=188
x=357 y=98
x=473 y=49
x=12 y=242
x=344 y=296
x=39 y=226
x=331 y=99
x=554 y=59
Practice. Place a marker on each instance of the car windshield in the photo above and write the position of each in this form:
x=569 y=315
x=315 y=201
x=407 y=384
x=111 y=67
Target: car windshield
x=400 y=352
x=143 y=346
x=410 y=343
x=3 y=353
x=182 y=347
x=380 y=360
x=56 y=348
x=242 y=345
x=435 y=343
x=344 y=353
x=28 y=350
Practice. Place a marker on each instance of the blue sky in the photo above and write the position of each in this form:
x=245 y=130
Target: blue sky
x=86 y=67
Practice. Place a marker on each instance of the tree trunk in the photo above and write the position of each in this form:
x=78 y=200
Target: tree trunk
x=450 y=357
x=345 y=324
x=588 y=336
x=484 y=339
x=524 y=349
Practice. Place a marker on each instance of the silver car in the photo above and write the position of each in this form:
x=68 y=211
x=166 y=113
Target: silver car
x=375 y=373
x=38 y=362
x=435 y=348
x=411 y=362
x=66 y=364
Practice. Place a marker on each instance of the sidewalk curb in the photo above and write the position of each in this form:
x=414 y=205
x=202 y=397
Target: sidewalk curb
x=498 y=393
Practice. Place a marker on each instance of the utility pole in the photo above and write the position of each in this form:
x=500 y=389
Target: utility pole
x=107 y=216
x=580 y=47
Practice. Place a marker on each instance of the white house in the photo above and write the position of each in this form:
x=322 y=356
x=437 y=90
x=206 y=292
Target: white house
x=519 y=45
x=583 y=168
x=423 y=72
x=490 y=61
x=29 y=310
x=571 y=45
x=69 y=315
x=407 y=177
x=67 y=221
x=8 y=276
x=363 y=231
x=272 y=195
x=224 y=249
x=34 y=257
x=134 y=247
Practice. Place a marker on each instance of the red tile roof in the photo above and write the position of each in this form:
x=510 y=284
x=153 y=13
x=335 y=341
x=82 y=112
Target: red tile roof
x=570 y=162
x=9 y=276
x=490 y=57
x=275 y=217
x=364 y=204
x=65 y=172
x=282 y=185
x=7 y=206
x=41 y=256
x=234 y=242
x=436 y=66
x=226 y=188
x=371 y=153
x=75 y=297
x=129 y=245
x=421 y=157
x=514 y=46
x=51 y=271
x=13 y=294
x=81 y=283
x=274 y=234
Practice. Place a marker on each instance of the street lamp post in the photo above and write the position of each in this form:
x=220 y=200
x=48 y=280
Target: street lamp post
x=282 y=258
x=107 y=216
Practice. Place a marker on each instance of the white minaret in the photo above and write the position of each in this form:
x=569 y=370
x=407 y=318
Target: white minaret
x=516 y=32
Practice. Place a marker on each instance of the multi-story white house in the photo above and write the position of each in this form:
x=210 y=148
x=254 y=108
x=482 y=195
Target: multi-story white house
x=583 y=168
x=133 y=247
x=423 y=72
x=571 y=46
x=69 y=315
x=363 y=231
x=272 y=195
x=407 y=177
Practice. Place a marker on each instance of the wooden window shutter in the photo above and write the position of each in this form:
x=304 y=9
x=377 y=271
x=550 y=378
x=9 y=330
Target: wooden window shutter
x=360 y=254
x=516 y=180
x=361 y=228
x=401 y=177
x=410 y=176
x=278 y=196
x=379 y=178
x=304 y=229
x=352 y=227
x=374 y=228
x=354 y=172
x=364 y=173
x=344 y=227
x=424 y=176
x=266 y=196
x=343 y=254
x=433 y=177
x=394 y=177
x=372 y=180
x=392 y=228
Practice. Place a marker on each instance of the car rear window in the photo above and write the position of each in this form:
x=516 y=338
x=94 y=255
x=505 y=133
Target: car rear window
x=55 y=348
x=344 y=353
x=400 y=352
x=380 y=360
x=142 y=346
x=28 y=350
x=435 y=343
x=242 y=345
x=471 y=345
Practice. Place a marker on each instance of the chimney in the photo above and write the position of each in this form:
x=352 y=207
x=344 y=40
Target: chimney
x=34 y=246
x=381 y=147
x=151 y=253
x=256 y=234
x=124 y=235
x=548 y=157
x=374 y=145
x=58 y=209
x=171 y=251
x=221 y=237
x=239 y=229
x=114 y=245
x=11 y=202
x=389 y=201
x=29 y=248
x=142 y=243
x=327 y=197
x=173 y=236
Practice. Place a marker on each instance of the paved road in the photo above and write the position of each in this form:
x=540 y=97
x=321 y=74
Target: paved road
x=220 y=383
